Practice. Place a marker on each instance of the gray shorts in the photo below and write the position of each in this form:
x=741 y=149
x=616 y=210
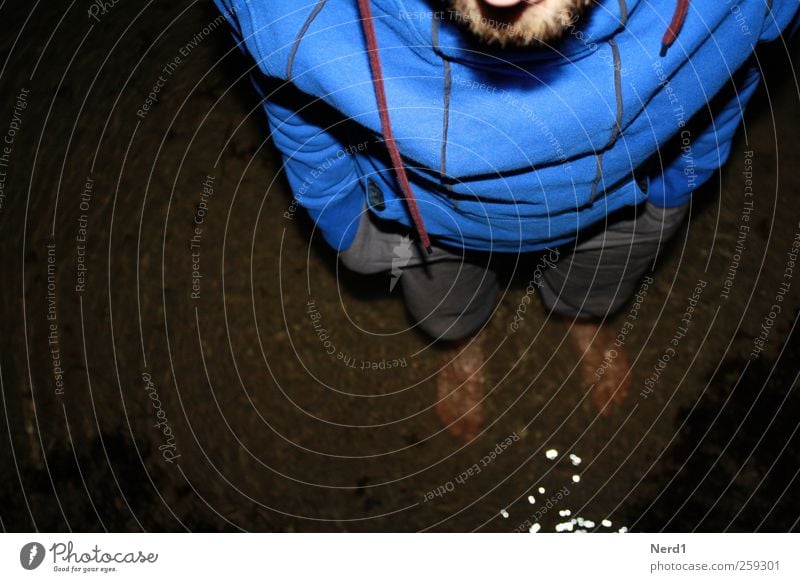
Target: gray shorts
x=452 y=292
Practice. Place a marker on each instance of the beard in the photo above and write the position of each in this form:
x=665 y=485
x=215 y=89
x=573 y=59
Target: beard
x=529 y=23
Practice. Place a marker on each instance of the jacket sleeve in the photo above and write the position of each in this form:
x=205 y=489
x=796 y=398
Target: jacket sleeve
x=703 y=145
x=312 y=138
x=318 y=161
x=783 y=18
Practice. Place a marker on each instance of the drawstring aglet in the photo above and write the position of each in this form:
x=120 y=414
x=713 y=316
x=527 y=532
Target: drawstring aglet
x=678 y=18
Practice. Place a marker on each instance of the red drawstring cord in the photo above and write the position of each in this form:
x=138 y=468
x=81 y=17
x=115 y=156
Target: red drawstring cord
x=675 y=26
x=386 y=124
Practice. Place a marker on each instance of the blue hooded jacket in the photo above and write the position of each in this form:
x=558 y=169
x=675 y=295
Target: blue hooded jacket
x=505 y=149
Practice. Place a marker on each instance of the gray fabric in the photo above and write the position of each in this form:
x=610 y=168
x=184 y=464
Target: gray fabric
x=452 y=292
x=449 y=293
x=596 y=276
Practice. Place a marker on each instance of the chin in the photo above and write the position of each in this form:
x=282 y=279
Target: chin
x=530 y=23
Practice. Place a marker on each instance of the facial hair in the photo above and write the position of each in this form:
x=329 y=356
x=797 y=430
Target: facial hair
x=529 y=23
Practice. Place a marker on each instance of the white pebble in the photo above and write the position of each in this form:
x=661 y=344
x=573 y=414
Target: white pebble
x=588 y=523
x=504 y=513
x=534 y=528
x=531 y=499
x=623 y=529
x=551 y=454
x=541 y=490
x=566 y=526
x=606 y=523
x=576 y=460
x=565 y=513
x=576 y=478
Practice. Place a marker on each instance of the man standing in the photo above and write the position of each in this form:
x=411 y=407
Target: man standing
x=573 y=128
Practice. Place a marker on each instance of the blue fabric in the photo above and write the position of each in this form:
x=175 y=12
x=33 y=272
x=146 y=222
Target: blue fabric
x=528 y=128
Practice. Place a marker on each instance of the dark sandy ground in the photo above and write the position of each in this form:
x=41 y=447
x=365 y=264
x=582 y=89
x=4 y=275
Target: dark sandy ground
x=224 y=412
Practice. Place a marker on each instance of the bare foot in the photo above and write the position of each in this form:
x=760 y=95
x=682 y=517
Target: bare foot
x=460 y=388
x=604 y=365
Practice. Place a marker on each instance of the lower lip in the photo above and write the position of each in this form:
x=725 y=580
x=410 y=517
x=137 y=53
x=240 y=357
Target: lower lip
x=510 y=3
x=503 y=3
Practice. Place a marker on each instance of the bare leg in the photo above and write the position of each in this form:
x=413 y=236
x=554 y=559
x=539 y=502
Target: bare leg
x=461 y=387
x=605 y=368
